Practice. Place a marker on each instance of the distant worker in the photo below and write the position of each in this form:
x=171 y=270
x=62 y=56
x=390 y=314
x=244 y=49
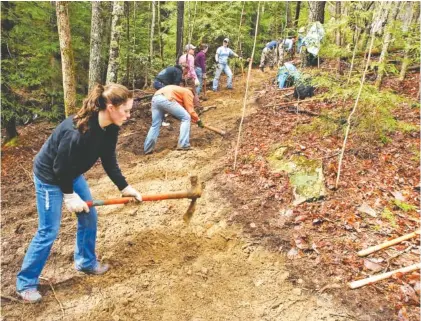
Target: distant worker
x=168 y=76
x=287 y=46
x=288 y=75
x=221 y=58
x=187 y=61
x=269 y=55
x=200 y=64
x=176 y=101
x=301 y=35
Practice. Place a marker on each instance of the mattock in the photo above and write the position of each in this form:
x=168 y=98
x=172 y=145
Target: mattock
x=193 y=193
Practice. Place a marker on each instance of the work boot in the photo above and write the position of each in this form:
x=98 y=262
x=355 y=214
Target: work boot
x=30 y=295
x=262 y=68
x=99 y=269
x=184 y=148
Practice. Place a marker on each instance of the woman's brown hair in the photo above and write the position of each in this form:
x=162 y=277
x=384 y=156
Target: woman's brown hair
x=97 y=100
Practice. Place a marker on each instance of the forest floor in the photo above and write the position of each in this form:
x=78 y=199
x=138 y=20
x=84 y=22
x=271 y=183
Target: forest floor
x=247 y=254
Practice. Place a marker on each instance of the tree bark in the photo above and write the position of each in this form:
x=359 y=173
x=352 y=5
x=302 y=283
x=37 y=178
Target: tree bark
x=67 y=60
x=317 y=11
x=180 y=29
x=97 y=27
x=288 y=14
x=386 y=42
x=415 y=11
x=161 y=46
x=116 y=31
x=11 y=131
x=297 y=14
x=338 y=33
x=126 y=80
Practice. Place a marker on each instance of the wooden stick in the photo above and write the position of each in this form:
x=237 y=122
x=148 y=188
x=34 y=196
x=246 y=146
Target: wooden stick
x=388 y=243
x=379 y=277
x=55 y=296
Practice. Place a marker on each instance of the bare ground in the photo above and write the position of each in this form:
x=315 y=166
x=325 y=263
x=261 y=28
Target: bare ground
x=215 y=268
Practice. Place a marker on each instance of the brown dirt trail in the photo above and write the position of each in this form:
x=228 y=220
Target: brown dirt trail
x=163 y=269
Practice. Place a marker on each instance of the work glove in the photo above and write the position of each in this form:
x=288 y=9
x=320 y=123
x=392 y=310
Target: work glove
x=74 y=203
x=130 y=191
x=196 y=82
x=200 y=123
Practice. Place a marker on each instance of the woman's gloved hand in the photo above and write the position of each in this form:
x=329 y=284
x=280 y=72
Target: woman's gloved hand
x=196 y=82
x=130 y=191
x=74 y=203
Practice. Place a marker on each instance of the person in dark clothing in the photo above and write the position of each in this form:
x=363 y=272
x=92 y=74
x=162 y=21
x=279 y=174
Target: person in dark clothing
x=71 y=150
x=168 y=76
x=200 y=65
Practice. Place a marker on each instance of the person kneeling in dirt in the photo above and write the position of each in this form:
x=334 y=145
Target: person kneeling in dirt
x=268 y=55
x=71 y=150
x=176 y=101
x=288 y=75
x=168 y=76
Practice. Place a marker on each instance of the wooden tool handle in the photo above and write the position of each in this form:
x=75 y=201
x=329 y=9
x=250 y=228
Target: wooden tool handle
x=216 y=130
x=375 y=278
x=145 y=198
x=387 y=244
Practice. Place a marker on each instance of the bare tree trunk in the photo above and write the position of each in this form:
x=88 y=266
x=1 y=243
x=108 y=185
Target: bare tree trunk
x=288 y=14
x=11 y=130
x=151 y=34
x=67 y=60
x=126 y=80
x=116 y=31
x=180 y=29
x=407 y=28
x=297 y=14
x=317 y=11
x=338 y=33
x=161 y=46
x=386 y=42
x=106 y=38
x=97 y=28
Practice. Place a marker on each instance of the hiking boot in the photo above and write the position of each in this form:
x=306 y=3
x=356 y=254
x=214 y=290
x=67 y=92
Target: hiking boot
x=184 y=148
x=97 y=270
x=262 y=68
x=30 y=295
x=230 y=88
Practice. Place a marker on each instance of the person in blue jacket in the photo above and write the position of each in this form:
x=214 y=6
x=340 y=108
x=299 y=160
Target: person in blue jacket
x=169 y=76
x=269 y=55
x=71 y=150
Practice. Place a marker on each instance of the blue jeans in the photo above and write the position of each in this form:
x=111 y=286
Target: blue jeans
x=161 y=106
x=199 y=74
x=158 y=85
x=49 y=202
x=222 y=68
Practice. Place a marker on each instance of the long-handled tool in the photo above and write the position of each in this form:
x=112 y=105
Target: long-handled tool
x=388 y=243
x=204 y=89
x=193 y=193
x=214 y=129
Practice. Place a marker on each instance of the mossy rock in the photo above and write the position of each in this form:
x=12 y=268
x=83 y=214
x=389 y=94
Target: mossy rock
x=305 y=175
